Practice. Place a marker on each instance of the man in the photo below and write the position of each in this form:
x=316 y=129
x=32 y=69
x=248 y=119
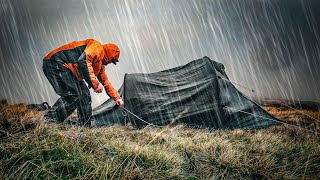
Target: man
x=67 y=66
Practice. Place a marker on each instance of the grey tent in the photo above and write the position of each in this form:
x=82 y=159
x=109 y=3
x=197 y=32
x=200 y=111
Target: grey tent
x=197 y=94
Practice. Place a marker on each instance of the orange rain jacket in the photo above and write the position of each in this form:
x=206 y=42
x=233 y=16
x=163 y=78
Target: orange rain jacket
x=87 y=59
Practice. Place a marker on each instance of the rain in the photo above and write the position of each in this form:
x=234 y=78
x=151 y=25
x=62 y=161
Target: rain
x=269 y=46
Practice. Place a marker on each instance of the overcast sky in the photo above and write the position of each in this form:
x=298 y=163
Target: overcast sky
x=271 y=46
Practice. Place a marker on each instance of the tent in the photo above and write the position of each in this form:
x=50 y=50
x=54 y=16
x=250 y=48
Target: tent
x=197 y=94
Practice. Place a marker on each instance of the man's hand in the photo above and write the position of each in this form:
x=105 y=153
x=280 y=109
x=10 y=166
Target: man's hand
x=99 y=88
x=120 y=102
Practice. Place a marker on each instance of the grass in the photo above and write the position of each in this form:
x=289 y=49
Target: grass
x=30 y=149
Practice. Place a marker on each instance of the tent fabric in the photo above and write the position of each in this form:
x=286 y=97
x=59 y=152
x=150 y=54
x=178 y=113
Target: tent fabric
x=197 y=94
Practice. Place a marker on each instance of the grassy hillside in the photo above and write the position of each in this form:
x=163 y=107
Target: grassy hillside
x=30 y=149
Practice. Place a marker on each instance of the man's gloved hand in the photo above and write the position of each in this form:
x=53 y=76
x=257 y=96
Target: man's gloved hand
x=120 y=102
x=99 y=88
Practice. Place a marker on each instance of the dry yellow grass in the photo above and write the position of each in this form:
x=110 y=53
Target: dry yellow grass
x=49 y=151
x=300 y=117
x=17 y=118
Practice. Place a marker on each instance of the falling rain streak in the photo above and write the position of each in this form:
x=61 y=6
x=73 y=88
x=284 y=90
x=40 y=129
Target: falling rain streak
x=271 y=46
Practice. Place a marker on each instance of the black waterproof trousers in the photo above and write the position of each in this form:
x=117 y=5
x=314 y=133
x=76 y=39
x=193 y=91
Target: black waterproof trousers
x=74 y=94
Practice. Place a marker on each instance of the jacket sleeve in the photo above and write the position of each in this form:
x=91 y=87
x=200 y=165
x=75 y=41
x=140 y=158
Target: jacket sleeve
x=85 y=64
x=107 y=84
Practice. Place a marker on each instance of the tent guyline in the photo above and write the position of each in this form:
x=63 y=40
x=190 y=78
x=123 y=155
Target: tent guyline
x=251 y=90
x=126 y=110
x=238 y=84
x=273 y=120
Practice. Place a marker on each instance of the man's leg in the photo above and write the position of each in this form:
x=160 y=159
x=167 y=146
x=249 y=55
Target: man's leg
x=81 y=99
x=84 y=105
x=62 y=109
x=67 y=103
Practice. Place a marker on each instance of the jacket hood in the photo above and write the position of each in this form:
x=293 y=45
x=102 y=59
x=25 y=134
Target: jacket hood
x=111 y=51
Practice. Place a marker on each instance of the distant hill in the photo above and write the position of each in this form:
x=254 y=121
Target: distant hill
x=308 y=105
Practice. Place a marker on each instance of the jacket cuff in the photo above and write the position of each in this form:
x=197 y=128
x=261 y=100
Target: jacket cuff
x=95 y=85
x=116 y=97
